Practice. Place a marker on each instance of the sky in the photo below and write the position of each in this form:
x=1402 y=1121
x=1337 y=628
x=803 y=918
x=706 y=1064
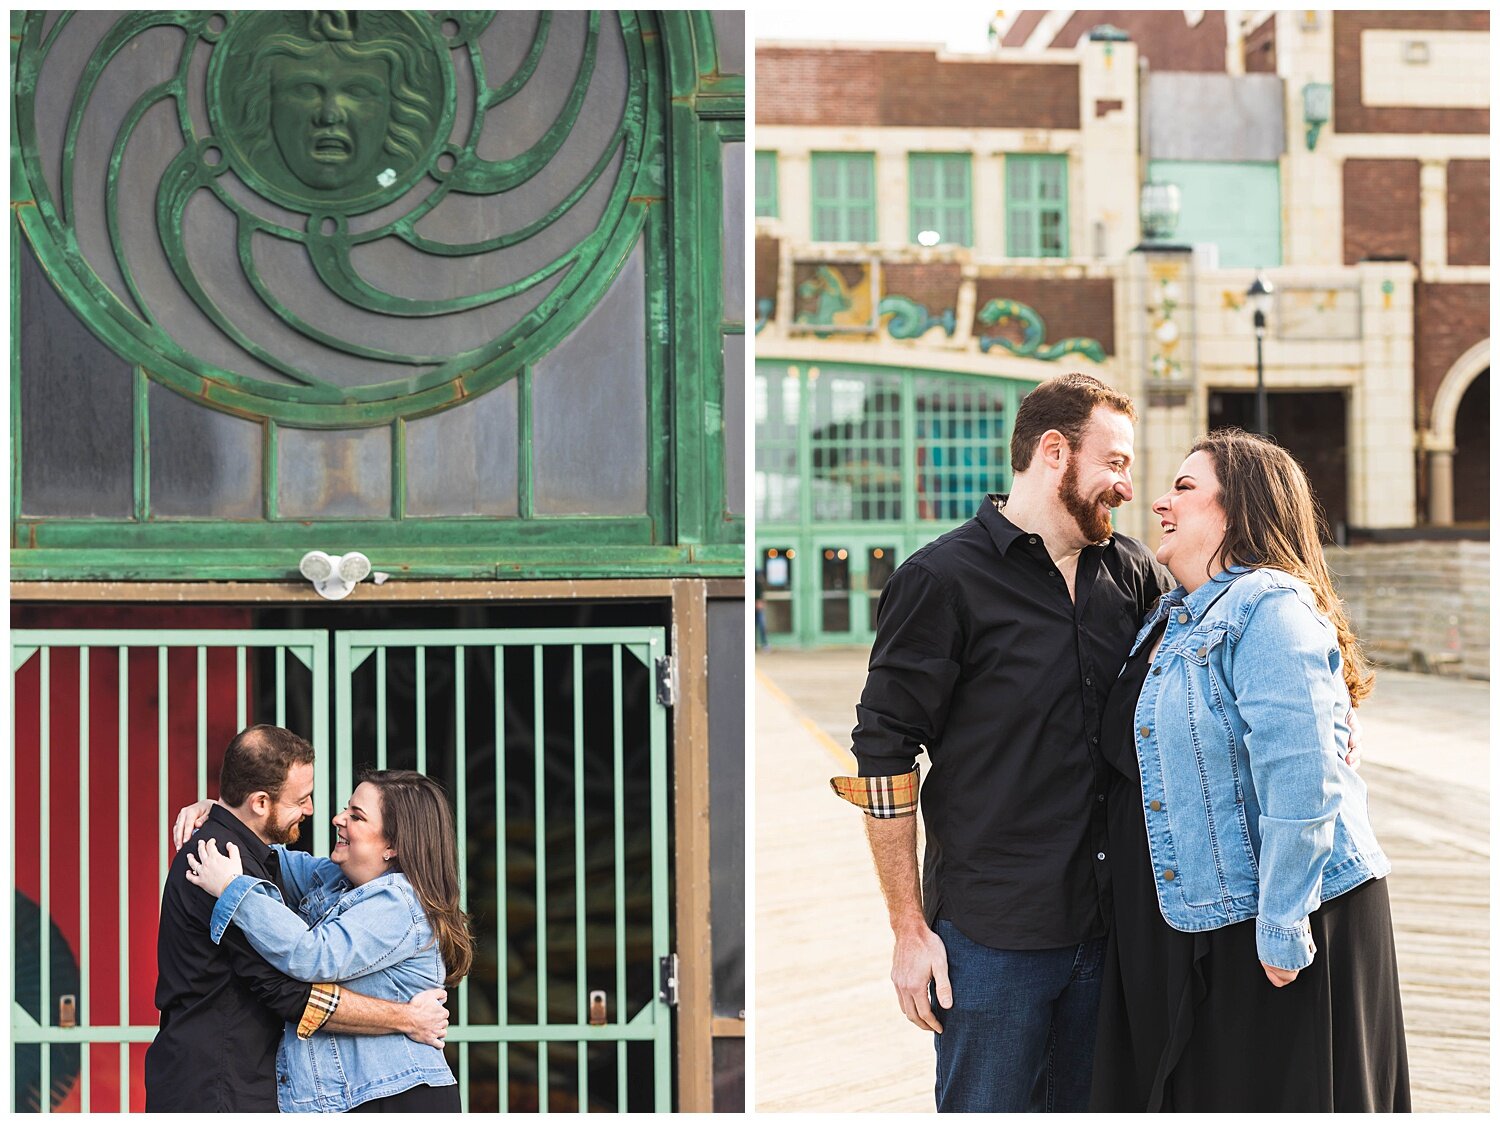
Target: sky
x=957 y=27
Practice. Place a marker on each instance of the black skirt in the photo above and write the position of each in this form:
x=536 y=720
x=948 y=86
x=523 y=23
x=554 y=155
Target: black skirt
x=1189 y=1021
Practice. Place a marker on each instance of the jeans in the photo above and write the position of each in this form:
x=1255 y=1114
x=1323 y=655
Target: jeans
x=1020 y=1035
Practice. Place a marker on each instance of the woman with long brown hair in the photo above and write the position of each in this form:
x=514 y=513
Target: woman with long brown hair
x=383 y=909
x=1250 y=964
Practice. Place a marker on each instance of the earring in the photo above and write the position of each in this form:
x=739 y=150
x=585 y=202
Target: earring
x=388 y=857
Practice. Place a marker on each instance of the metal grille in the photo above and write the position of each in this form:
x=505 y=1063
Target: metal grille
x=552 y=744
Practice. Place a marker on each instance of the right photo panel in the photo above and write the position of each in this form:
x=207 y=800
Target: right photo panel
x=1121 y=553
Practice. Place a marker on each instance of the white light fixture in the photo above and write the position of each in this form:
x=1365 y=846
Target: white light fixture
x=334 y=577
x=1161 y=206
x=929 y=238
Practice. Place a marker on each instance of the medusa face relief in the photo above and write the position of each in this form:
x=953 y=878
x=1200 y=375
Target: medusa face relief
x=331 y=111
x=330 y=119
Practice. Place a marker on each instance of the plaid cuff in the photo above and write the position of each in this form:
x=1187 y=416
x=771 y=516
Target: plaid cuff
x=321 y=1004
x=880 y=797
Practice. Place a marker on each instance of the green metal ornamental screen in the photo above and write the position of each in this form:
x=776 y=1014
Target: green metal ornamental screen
x=551 y=742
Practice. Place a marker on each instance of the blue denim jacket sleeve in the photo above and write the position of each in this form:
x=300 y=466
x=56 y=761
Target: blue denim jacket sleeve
x=1287 y=683
x=376 y=929
x=301 y=872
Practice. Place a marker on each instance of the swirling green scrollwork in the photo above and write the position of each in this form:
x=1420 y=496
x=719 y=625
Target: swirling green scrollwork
x=338 y=115
x=1033 y=332
x=910 y=320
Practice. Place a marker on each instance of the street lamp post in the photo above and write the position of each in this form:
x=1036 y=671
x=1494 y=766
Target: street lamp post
x=1259 y=296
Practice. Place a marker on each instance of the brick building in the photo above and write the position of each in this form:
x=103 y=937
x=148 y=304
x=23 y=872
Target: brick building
x=936 y=233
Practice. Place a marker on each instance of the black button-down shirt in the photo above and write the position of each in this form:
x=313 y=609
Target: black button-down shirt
x=223 y=1007
x=981 y=656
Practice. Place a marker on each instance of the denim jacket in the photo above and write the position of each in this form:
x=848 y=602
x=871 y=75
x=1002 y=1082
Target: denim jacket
x=1241 y=733
x=376 y=937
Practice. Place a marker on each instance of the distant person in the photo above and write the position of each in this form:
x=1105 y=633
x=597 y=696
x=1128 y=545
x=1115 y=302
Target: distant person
x=384 y=910
x=223 y=1007
x=1251 y=964
x=762 y=641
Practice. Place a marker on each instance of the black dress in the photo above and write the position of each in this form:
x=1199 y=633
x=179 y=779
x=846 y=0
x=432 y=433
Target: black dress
x=1189 y=1021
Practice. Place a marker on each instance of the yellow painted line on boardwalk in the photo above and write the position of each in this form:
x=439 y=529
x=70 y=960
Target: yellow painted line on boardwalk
x=842 y=756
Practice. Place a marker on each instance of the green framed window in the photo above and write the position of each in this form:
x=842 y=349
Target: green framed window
x=938 y=186
x=766 y=200
x=226 y=379
x=1036 y=206
x=843 y=196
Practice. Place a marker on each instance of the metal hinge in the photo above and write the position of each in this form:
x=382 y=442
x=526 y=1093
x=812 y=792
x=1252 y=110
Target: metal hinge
x=667 y=976
x=666 y=681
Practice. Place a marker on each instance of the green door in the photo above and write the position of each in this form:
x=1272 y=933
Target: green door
x=552 y=743
x=847 y=572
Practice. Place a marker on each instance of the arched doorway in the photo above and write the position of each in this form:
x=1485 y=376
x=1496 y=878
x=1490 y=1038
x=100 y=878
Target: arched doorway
x=1460 y=404
x=1471 y=454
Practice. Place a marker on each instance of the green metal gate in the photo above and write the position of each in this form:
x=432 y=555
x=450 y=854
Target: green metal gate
x=561 y=705
x=552 y=743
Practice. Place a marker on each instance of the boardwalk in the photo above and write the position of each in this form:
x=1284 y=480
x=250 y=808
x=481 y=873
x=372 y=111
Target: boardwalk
x=828 y=1036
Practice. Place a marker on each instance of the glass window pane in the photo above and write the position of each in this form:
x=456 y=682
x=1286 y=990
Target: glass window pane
x=733 y=175
x=77 y=431
x=1020 y=229
x=734 y=423
x=589 y=407
x=203 y=462
x=338 y=474
x=1017 y=179
x=463 y=461
x=729 y=38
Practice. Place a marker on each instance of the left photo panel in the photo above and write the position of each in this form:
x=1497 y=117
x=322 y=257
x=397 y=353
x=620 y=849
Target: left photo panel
x=377 y=461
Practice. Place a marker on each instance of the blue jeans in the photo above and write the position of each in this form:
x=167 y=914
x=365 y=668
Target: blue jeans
x=1020 y=1035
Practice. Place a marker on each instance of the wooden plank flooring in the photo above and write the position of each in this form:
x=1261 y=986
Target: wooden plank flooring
x=827 y=1033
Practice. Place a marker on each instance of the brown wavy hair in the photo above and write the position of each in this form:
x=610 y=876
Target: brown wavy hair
x=418 y=825
x=1273 y=522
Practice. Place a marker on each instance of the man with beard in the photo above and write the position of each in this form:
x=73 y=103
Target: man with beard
x=995 y=649
x=223 y=1006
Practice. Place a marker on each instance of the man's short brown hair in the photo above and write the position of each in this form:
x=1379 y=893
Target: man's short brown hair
x=258 y=760
x=1064 y=404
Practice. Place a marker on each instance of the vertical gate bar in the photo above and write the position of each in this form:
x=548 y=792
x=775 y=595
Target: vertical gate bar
x=122 y=784
x=421 y=708
x=280 y=685
x=380 y=706
x=84 y=811
x=502 y=884
x=318 y=659
x=461 y=788
x=539 y=774
x=240 y=701
x=343 y=705
x=581 y=904
x=202 y=790
x=44 y=1094
x=660 y=840
x=621 y=1092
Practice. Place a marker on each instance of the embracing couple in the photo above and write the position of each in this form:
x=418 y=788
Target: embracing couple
x=301 y=983
x=1150 y=880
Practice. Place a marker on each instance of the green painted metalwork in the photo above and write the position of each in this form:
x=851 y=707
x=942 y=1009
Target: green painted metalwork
x=658 y=169
x=36 y=647
x=910 y=320
x=526 y=648
x=331 y=115
x=857 y=458
x=1034 y=330
x=939 y=196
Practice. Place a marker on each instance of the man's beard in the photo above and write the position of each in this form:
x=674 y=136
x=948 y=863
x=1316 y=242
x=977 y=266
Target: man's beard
x=1091 y=519
x=285 y=832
